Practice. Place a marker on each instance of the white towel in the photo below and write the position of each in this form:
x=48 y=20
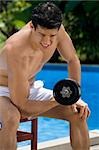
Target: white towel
x=37 y=92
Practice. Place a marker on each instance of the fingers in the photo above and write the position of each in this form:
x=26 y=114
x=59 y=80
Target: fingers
x=74 y=108
x=89 y=112
x=81 y=111
x=84 y=112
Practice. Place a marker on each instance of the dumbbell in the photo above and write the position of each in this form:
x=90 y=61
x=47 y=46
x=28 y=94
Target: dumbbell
x=66 y=91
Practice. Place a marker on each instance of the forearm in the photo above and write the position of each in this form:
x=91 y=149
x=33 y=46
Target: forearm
x=33 y=107
x=74 y=69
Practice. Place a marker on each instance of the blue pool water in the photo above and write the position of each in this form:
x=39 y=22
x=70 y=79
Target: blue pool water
x=49 y=129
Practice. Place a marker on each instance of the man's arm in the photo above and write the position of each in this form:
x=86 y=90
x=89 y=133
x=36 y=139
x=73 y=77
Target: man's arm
x=67 y=50
x=19 y=87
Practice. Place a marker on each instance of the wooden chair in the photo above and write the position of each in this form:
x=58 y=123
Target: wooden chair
x=23 y=135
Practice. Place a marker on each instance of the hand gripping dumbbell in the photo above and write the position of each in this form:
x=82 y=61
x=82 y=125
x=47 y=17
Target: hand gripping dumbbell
x=66 y=92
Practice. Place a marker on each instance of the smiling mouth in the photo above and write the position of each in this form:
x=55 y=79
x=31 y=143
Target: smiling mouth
x=45 y=46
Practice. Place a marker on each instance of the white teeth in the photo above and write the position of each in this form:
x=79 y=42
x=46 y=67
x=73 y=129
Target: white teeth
x=45 y=45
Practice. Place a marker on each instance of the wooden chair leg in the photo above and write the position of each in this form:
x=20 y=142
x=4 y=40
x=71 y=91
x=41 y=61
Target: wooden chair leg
x=32 y=136
x=34 y=132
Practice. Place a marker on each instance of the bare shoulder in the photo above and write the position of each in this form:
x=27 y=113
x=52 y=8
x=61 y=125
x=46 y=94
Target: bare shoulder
x=64 y=40
x=63 y=35
x=19 y=38
x=65 y=45
x=10 y=51
x=11 y=56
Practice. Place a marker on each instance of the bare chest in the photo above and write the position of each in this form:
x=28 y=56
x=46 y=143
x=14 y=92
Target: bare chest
x=35 y=61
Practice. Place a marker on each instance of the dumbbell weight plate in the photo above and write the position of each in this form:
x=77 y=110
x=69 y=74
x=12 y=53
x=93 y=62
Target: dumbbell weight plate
x=66 y=92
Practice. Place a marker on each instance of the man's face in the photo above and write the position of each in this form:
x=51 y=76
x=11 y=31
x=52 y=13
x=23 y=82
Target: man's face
x=45 y=37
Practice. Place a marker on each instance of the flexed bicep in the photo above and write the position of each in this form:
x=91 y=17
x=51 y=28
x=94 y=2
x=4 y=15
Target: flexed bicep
x=17 y=79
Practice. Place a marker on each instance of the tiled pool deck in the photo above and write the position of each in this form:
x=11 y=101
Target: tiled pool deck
x=64 y=143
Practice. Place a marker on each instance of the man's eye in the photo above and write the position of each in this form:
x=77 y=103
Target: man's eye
x=42 y=34
x=53 y=35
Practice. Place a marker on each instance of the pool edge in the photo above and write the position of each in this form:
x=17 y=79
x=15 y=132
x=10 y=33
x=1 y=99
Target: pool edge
x=64 y=143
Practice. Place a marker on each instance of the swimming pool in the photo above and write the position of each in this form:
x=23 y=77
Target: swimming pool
x=52 y=128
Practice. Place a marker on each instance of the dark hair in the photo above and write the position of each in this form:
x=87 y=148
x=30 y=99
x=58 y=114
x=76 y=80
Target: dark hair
x=47 y=15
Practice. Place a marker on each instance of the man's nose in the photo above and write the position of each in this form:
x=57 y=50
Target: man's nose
x=46 y=40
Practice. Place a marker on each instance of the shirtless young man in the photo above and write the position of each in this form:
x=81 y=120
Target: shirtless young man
x=23 y=55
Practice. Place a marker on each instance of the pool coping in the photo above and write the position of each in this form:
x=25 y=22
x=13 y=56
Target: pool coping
x=64 y=143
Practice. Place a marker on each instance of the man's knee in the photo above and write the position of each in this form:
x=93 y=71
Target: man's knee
x=13 y=117
x=9 y=114
x=11 y=123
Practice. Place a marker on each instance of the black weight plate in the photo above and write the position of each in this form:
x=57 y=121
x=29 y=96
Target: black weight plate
x=74 y=92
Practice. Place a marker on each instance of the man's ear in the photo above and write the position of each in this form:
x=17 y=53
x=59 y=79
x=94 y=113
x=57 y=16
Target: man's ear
x=31 y=24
